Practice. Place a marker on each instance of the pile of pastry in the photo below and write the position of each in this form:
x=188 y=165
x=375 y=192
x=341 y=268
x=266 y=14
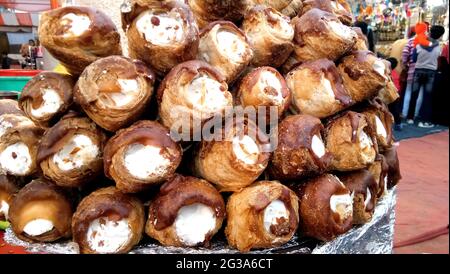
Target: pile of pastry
x=89 y=156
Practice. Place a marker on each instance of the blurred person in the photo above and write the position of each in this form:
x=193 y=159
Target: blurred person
x=27 y=52
x=39 y=54
x=395 y=107
x=6 y=61
x=367 y=31
x=440 y=92
x=426 y=59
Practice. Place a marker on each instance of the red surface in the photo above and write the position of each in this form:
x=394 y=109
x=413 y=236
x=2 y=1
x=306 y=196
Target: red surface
x=24 y=19
x=18 y=72
x=27 y=5
x=7 y=249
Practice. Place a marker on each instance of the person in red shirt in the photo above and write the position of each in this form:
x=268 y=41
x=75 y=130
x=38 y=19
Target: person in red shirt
x=395 y=107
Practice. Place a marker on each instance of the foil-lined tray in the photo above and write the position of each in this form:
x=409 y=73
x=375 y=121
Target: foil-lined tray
x=375 y=237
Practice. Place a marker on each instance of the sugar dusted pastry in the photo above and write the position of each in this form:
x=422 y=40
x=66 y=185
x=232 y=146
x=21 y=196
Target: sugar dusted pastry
x=141 y=155
x=115 y=91
x=8 y=189
x=108 y=221
x=78 y=36
x=325 y=207
x=363 y=74
x=379 y=170
x=161 y=33
x=224 y=46
x=270 y=33
x=192 y=90
x=264 y=87
x=351 y=141
x=317 y=89
x=47 y=96
x=301 y=151
x=70 y=153
x=381 y=120
x=262 y=215
x=19 y=138
x=236 y=160
x=186 y=212
x=393 y=172
x=320 y=34
x=363 y=188
x=41 y=212
x=209 y=11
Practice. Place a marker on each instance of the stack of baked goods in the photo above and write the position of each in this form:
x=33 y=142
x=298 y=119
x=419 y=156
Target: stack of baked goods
x=95 y=155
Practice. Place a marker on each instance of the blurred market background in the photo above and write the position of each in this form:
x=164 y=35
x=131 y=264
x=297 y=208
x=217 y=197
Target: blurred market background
x=422 y=214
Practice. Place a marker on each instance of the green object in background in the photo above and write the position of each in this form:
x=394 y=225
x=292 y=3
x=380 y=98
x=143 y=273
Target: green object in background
x=8 y=83
x=4 y=225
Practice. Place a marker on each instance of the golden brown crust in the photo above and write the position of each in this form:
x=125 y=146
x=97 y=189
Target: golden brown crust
x=316 y=216
x=245 y=228
x=340 y=8
x=379 y=170
x=108 y=203
x=161 y=58
x=390 y=92
x=343 y=141
x=294 y=157
x=377 y=109
x=77 y=52
x=9 y=106
x=217 y=162
x=393 y=173
x=60 y=135
x=359 y=183
x=209 y=50
x=215 y=10
x=271 y=44
x=145 y=133
x=253 y=93
x=41 y=199
x=177 y=192
x=310 y=91
x=8 y=189
x=32 y=95
x=359 y=76
x=314 y=38
x=361 y=41
x=100 y=81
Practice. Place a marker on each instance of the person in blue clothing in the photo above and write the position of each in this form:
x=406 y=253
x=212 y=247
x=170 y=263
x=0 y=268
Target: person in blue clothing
x=426 y=59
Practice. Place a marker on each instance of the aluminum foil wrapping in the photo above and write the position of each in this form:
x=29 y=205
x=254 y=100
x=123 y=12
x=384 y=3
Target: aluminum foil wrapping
x=373 y=237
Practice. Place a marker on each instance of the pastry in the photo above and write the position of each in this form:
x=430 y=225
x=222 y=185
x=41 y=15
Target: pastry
x=363 y=188
x=19 y=138
x=193 y=92
x=70 y=152
x=317 y=89
x=114 y=91
x=325 y=207
x=161 y=33
x=361 y=41
x=8 y=189
x=78 y=36
x=363 y=74
x=224 y=46
x=301 y=151
x=263 y=88
x=340 y=8
x=140 y=156
x=393 y=172
x=9 y=106
x=209 y=11
x=108 y=221
x=41 y=212
x=186 y=212
x=320 y=34
x=46 y=97
x=389 y=93
x=379 y=170
x=351 y=141
x=270 y=33
x=287 y=7
x=237 y=159
x=381 y=120
x=262 y=215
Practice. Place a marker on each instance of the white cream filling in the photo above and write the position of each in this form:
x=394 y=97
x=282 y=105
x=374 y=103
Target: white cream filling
x=205 y=94
x=106 y=236
x=38 y=227
x=337 y=6
x=4 y=209
x=16 y=159
x=379 y=67
x=78 y=152
x=341 y=30
x=129 y=91
x=78 y=24
x=165 y=29
x=143 y=161
x=368 y=197
x=231 y=45
x=385 y=184
x=51 y=102
x=268 y=79
x=364 y=140
x=381 y=130
x=285 y=28
x=317 y=146
x=246 y=149
x=275 y=210
x=193 y=223
x=342 y=205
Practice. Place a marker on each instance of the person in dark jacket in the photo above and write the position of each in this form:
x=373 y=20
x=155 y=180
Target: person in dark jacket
x=368 y=33
x=6 y=62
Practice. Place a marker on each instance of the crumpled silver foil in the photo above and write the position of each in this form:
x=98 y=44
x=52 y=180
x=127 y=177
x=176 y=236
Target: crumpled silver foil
x=374 y=237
